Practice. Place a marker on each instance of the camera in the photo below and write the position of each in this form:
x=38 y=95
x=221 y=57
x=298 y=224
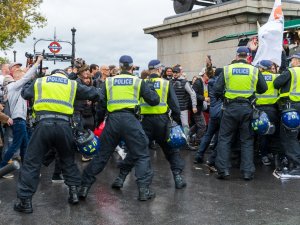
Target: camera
x=136 y=68
x=28 y=55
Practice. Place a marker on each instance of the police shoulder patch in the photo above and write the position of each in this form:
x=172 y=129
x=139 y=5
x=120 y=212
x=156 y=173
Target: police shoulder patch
x=123 y=81
x=54 y=79
x=240 y=71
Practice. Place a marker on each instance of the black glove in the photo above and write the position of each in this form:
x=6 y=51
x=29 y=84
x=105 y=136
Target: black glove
x=177 y=119
x=150 y=84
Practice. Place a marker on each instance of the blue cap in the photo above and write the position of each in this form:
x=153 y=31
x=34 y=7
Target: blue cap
x=296 y=55
x=126 y=60
x=154 y=64
x=242 y=50
x=265 y=64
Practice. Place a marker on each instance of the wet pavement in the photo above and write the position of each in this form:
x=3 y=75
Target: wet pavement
x=205 y=201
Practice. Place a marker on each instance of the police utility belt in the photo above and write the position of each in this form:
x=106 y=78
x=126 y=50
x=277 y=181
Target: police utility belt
x=237 y=100
x=52 y=116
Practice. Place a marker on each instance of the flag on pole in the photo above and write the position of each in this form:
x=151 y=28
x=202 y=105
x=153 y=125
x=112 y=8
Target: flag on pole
x=270 y=37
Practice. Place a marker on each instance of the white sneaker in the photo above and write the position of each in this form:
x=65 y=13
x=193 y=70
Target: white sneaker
x=58 y=179
x=121 y=152
x=8 y=176
x=86 y=159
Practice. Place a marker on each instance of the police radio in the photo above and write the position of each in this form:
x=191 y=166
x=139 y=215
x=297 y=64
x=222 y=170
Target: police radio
x=137 y=112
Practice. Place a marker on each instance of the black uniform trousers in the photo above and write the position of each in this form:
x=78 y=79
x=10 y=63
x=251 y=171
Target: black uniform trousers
x=49 y=158
x=156 y=128
x=49 y=133
x=272 y=141
x=236 y=118
x=289 y=140
x=122 y=125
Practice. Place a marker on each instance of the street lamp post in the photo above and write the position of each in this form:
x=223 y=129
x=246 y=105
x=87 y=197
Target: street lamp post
x=73 y=46
x=15 y=55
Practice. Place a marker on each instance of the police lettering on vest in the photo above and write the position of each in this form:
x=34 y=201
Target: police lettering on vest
x=162 y=89
x=123 y=92
x=270 y=97
x=240 y=80
x=156 y=85
x=240 y=71
x=268 y=77
x=55 y=79
x=123 y=81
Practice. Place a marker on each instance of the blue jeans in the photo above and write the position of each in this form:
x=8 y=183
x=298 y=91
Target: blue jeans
x=8 y=139
x=213 y=129
x=20 y=140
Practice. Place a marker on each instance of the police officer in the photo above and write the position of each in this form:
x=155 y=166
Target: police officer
x=239 y=81
x=156 y=123
x=53 y=106
x=289 y=84
x=122 y=98
x=267 y=102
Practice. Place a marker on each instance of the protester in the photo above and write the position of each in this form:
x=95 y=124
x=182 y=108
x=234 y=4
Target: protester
x=18 y=111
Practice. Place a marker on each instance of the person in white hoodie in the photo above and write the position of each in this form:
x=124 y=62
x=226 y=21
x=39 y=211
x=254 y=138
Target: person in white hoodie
x=18 y=112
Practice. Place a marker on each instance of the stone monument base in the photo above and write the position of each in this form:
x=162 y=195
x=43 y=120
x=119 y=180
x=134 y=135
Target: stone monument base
x=184 y=38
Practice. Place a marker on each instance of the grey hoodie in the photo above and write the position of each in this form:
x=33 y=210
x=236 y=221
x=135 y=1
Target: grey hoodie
x=18 y=106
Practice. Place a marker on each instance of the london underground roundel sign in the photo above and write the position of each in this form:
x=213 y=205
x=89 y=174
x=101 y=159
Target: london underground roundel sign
x=54 y=47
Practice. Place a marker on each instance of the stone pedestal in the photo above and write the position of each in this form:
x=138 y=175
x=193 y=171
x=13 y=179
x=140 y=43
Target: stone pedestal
x=184 y=38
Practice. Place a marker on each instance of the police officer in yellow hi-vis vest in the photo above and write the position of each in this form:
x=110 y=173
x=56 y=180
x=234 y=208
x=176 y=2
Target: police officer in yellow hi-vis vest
x=122 y=99
x=267 y=102
x=239 y=81
x=156 y=123
x=289 y=85
x=53 y=107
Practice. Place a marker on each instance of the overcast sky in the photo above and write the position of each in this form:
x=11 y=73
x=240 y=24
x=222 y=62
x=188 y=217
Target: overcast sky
x=105 y=29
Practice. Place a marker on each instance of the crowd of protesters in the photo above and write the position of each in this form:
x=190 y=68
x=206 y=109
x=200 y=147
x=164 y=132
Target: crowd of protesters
x=200 y=107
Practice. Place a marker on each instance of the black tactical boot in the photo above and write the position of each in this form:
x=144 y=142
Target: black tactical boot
x=83 y=192
x=145 y=194
x=223 y=175
x=24 y=205
x=179 y=181
x=198 y=159
x=73 y=195
x=119 y=181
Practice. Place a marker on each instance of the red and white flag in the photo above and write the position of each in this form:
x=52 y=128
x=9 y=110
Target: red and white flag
x=270 y=37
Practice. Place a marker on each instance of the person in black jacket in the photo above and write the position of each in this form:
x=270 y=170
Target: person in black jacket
x=84 y=109
x=215 y=113
x=100 y=83
x=200 y=125
x=185 y=94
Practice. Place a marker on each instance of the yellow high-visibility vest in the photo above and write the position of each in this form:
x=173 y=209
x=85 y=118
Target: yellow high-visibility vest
x=271 y=95
x=294 y=93
x=55 y=93
x=123 y=92
x=240 y=80
x=162 y=88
